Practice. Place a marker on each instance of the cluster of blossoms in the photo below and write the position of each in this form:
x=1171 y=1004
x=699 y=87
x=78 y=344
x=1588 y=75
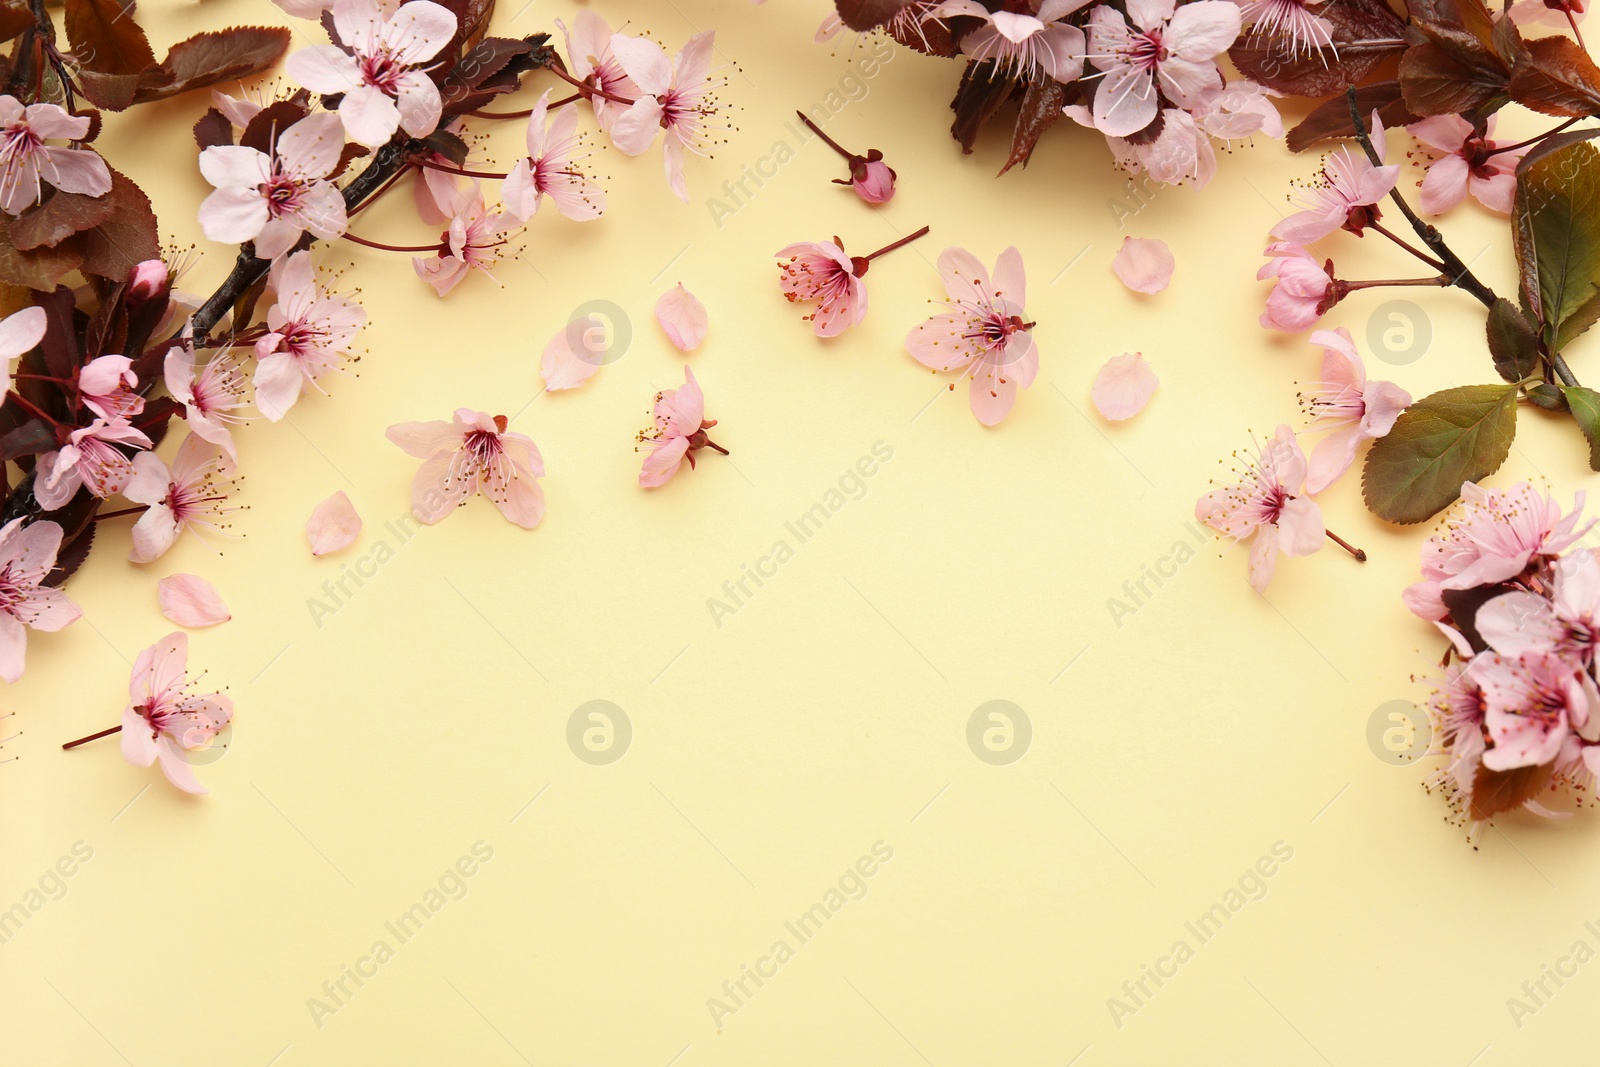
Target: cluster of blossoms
x=1516 y=712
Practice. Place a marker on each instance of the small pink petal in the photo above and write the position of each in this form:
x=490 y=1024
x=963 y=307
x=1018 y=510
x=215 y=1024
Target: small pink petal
x=1144 y=264
x=1123 y=386
x=574 y=354
x=189 y=600
x=683 y=318
x=333 y=525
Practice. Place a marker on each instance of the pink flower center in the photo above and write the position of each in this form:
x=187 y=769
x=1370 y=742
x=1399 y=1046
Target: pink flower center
x=382 y=72
x=1144 y=51
x=14 y=595
x=281 y=192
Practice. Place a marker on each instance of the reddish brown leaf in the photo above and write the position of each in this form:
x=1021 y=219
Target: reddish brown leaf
x=29 y=439
x=213 y=129
x=863 y=15
x=269 y=122
x=105 y=38
x=933 y=37
x=208 y=58
x=1556 y=76
x=129 y=237
x=113 y=92
x=1496 y=791
x=977 y=99
x=38 y=269
x=59 y=217
x=14 y=18
x=1437 y=80
x=1041 y=106
x=1332 y=118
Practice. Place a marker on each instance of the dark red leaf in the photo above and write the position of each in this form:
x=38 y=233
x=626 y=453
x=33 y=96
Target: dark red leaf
x=60 y=349
x=1494 y=792
x=71 y=557
x=863 y=15
x=29 y=439
x=933 y=37
x=208 y=58
x=38 y=269
x=15 y=17
x=1041 y=106
x=105 y=38
x=59 y=217
x=127 y=239
x=977 y=99
x=486 y=59
x=348 y=154
x=213 y=129
x=1556 y=76
x=1332 y=119
x=113 y=92
x=269 y=122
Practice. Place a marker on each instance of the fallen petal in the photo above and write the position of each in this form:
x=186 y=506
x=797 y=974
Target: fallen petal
x=574 y=354
x=683 y=318
x=1123 y=386
x=1144 y=264
x=190 y=600
x=333 y=525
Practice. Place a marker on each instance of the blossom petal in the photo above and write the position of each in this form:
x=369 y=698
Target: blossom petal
x=574 y=354
x=1124 y=386
x=333 y=525
x=683 y=318
x=189 y=600
x=1144 y=264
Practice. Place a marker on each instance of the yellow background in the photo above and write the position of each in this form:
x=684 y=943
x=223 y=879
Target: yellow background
x=830 y=711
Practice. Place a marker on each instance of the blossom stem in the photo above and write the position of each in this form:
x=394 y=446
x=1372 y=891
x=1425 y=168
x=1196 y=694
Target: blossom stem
x=1463 y=277
x=391 y=248
x=829 y=141
x=586 y=89
x=23 y=375
x=1533 y=140
x=93 y=737
x=1359 y=553
x=1350 y=287
x=141 y=509
x=451 y=169
x=526 y=112
x=1408 y=246
x=713 y=445
x=891 y=247
x=387 y=183
x=31 y=406
x=1573 y=22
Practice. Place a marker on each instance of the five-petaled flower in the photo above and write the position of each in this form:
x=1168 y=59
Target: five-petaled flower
x=90 y=459
x=820 y=273
x=27 y=555
x=1470 y=162
x=676 y=432
x=273 y=199
x=190 y=494
x=108 y=387
x=380 y=70
x=473 y=241
x=985 y=333
x=1266 y=502
x=1351 y=186
x=469 y=454
x=26 y=160
x=1171 y=53
x=210 y=396
x=551 y=168
x=309 y=332
x=164 y=718
x=1345 y=403
x=675 y=96
x=1022 y=45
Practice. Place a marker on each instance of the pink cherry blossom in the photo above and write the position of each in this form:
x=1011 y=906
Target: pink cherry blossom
x=674 y=96
x=1023 y=45
x=820 y=273
x=1143 y=264
x=985 y=334
x=107 y=385
x=27 y=555
x=192 y=495
x=164 y=718
x=1290 y=25
x=1267 y=503
x=1173 y=51
x=237 y=111
x=1567 y=624
x=1492 y=537
x=1345 y=403
x=551 y=168
x=1531 y=704
x=472 y=453
x=474 y=241
x=211 y=397
x=677 y=431
x=1240 y=109
x=1351 y=186
x=20 y=333
x=590 y=59
x=90 y=459
x=27 y=162
x=1179 y=152
x=1124 y=386
x=1305 y=289
x=310 y=332
x=1470 y=163
x=189 y=600
x=682 y=318
x=381 y=70
x=333 y=525
x=273 y=199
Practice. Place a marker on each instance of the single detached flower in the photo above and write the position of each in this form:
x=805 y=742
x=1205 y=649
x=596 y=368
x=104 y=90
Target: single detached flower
x=1266 y=503
x=164 y=718
x=551 y=168
x=674 y=96
x=273 y=199
x=27 y=555
x=871 y=178
x=20 y=333
x=1350 y=188
x=1305 y=289
x=1022 y=45
x=1171 y=50
x=1143 y=264
x=677 y=431
x=592 y=61
x=821 y=273
x=27 y=162
x=1532 y=703
x=192 y=494
x=1345 y=403
x=309 y=332
x=985 y=333
x=474 y=240
x=381 y=69
x=472 y=453
x=1124 y=386
x=1470 y=163
x=107 y=385
x=210 y=397
x=682 y=317
x=91 y=459
x=189 y=600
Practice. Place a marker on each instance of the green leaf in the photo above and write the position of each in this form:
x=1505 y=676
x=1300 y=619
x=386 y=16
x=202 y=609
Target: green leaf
x=1556 y=232
x=1513 y=341
x=1458 y=435
x=1585 y=406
